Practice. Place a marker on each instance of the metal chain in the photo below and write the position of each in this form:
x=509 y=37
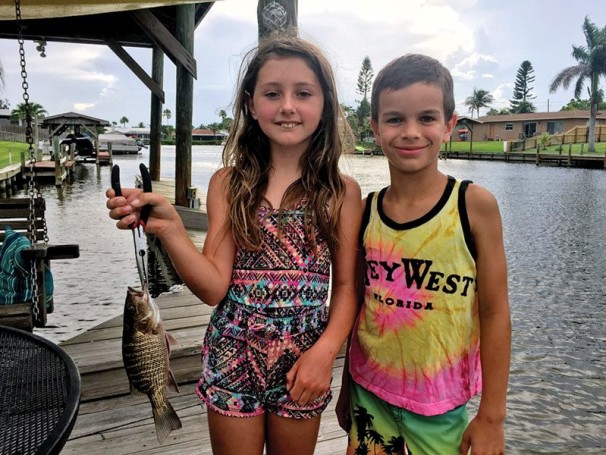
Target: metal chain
x=32 y=160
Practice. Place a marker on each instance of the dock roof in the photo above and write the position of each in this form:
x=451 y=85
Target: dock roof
x=94 y=21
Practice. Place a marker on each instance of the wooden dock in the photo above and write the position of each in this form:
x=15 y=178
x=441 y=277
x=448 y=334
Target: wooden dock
x=112 y=421
x=10 y=177
x=558 y=159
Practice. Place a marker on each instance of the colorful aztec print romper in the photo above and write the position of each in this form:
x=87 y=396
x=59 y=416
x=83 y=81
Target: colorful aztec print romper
x=274 y=310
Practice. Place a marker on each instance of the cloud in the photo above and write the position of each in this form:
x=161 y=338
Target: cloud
x=482 y=43
x=467 y=70
x=83 y=107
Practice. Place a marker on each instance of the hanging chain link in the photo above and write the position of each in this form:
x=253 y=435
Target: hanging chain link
x=32 y=189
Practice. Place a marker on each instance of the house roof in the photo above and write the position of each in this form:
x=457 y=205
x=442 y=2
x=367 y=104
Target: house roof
x=464 y=120
x=207 y=132
x=73 y=118
x=559 y=115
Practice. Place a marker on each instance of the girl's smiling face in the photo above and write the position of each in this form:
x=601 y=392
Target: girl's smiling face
x=287 y=102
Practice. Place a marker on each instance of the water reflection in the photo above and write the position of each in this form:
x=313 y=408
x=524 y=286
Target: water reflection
x=553 y=221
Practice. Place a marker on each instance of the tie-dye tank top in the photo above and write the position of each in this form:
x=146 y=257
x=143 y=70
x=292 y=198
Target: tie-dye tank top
x=416 y=341
x=287 y=271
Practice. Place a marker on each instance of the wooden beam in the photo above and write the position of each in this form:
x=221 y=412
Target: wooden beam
x=155 y=131
x=165 y=40
x=136 y=68
x=184 y=108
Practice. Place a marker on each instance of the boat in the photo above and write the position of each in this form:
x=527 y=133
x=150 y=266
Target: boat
x=84 y=146
x=121 y=144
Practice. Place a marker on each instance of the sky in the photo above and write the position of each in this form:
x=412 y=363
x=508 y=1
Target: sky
x=482 y=43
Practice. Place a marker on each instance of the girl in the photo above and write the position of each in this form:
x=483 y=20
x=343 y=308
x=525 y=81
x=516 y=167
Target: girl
x=280 y=217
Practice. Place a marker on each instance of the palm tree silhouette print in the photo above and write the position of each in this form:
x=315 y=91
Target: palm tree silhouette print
x=368 y=436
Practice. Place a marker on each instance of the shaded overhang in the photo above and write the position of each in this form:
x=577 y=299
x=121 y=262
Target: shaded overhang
x=117 y=25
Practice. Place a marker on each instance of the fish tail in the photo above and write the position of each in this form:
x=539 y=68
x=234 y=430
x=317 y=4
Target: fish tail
x=165 y=420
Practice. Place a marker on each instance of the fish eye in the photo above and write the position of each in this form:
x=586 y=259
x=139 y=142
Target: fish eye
x=131 y=309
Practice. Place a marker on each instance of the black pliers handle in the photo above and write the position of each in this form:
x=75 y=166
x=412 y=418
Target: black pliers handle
x=147 y=188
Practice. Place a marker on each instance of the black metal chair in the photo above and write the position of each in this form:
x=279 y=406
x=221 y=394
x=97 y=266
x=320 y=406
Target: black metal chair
x=39 y=394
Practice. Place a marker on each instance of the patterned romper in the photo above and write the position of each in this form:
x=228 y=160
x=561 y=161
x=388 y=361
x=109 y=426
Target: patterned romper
x=274 y=310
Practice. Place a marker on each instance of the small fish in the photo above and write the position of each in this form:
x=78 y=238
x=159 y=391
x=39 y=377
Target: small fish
x=145 y=352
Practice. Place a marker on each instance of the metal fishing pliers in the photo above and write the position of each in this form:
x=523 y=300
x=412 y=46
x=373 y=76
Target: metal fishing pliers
x=137 y=228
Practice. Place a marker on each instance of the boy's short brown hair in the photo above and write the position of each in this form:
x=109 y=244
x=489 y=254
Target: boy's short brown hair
x=409 y=69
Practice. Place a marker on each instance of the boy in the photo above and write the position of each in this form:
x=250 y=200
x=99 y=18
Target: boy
x=434 y=324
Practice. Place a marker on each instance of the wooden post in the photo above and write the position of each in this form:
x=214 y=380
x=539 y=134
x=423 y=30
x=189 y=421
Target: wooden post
x=277 y=15
x=569 y=155
x=110 y=153
x=184 y=109
x=155 y=131
x=97 y=146
x=58 y=158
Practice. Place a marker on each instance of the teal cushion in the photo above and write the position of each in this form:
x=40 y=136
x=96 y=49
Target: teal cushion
x=15 y=271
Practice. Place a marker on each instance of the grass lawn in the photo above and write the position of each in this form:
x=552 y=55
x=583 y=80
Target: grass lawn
x=12 y=148
x=497 y=147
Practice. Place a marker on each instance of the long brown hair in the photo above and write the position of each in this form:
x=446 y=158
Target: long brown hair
x=247 y=151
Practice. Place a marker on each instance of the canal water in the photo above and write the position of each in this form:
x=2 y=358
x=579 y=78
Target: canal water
x=554 y=225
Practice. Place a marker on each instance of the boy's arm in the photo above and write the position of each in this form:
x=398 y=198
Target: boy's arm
x=485 y=433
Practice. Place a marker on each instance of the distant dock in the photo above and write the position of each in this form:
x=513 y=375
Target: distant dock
x=557 y=159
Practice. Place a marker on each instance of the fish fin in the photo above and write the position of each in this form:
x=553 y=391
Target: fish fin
x=170 y=340
x=133 y=390
x=172 y=382
x=165 y=422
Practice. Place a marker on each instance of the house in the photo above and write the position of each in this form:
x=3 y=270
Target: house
x=5 y=116
x=520 y=126
x=137 y=133
x=465 y=129
x=206 y=135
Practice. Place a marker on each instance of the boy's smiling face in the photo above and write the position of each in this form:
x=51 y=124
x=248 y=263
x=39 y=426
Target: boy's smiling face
x=411 y=127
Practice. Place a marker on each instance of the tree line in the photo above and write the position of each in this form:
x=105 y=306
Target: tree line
x=586 y=74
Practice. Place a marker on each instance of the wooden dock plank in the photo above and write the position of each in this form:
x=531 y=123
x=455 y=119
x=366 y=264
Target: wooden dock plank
x=111 y=420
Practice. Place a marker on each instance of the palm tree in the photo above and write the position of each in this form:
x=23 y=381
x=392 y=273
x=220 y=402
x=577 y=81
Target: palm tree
x=124 y=121
x=591 y=65
x=167 y=113
x=479 y=99
x=35 y=111
x=395 y=445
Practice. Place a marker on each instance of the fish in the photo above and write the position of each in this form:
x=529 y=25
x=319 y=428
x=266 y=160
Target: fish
x=146 y=353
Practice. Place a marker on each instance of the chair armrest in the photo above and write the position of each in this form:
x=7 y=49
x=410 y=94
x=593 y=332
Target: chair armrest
x=63 y=251
x=47 y=252
x=37 y=251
